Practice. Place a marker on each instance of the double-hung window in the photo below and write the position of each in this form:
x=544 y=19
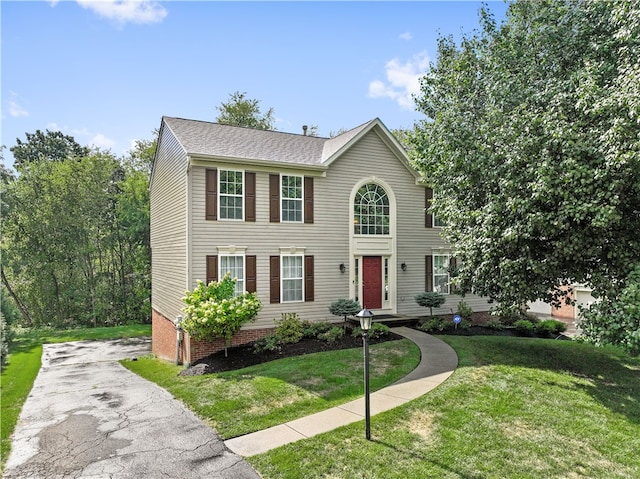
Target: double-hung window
x=231 y=194
x=235 y=265
x=291 y=197
x=292 y=278
x=441 y=273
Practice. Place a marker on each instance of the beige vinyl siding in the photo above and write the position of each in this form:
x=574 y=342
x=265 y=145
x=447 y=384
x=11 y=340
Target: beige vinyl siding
x=327 y=239
x=169 y=226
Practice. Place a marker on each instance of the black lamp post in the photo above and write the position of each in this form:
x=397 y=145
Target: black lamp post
x=365 y=316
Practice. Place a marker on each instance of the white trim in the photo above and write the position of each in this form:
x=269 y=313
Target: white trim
x=242 y=195
x=282 y=278
x=301 y=199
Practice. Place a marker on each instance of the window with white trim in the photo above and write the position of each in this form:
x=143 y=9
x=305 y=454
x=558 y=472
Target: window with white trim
x=292 y=278
x=235 y=265
x=291 y=197
x=371 y=210
x=231 y=194
x=441 y=273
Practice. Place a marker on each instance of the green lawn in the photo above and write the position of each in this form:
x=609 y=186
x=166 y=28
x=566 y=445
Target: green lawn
x=515 y=408
x=261 y=396
x=22 y=368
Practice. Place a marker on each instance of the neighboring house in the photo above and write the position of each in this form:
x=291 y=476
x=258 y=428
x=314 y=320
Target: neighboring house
x=301 y=220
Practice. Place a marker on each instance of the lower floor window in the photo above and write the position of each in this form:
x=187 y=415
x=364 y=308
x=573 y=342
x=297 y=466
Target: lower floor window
x=292 y=278
x=233 y=264
x=441 y=273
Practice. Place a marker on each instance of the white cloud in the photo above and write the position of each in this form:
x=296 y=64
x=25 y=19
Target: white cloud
x=102 y=142
x=403 y=80
x=15 y=109
x=406 y=36
x=126 y=11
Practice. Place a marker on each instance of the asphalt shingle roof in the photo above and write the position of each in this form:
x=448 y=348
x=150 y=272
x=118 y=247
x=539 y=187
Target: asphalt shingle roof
x=225 y=141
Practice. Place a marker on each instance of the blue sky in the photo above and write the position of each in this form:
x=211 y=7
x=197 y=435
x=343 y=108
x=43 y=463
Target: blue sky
x=106 y=71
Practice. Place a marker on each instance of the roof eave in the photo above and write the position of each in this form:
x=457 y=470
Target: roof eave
x=199 y=159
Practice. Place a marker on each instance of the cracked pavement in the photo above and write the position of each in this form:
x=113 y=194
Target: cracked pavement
x=89 y=417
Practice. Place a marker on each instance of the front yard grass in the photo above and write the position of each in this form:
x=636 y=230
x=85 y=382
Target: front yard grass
x=514 y=408
x=23 y=365
x=255 y=398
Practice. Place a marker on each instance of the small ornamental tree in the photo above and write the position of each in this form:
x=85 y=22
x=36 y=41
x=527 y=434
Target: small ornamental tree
x=430 y=299
x=344 y=307
x=212 y=311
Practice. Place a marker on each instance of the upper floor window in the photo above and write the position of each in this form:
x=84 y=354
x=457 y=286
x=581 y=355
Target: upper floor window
x=231 y=194
x=291 y=197
x=371 y=210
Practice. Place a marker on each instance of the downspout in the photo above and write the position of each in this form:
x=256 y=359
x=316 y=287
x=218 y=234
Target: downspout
x=179 y=337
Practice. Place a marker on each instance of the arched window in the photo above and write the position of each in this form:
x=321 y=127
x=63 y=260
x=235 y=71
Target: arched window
x=371 y=211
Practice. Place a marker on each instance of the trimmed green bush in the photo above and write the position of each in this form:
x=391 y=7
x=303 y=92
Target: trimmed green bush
x=289 y=329
x=437 y=324
x=524 y=327
x=495 y=324
x=465 y=311
x=430 y=299
x=377 y=330
x=331 y=335
x=550 y=327
x=314 y=329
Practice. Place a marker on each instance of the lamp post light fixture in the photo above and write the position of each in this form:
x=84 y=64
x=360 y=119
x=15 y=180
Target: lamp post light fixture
x=365 y=316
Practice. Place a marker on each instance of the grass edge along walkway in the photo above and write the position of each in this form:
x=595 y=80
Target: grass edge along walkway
x=437 y=363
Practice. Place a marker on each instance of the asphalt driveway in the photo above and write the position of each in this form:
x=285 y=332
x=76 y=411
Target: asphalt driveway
x=89 y=417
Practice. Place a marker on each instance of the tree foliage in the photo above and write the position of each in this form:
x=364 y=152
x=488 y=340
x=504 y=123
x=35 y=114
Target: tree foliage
x=75 y=241
x=49 y=146
x=532 y=145
x=212 y=310
x=430 y=299
x=242 y=111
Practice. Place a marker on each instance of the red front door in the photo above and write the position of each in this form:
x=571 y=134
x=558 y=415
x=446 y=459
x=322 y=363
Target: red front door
x=372 y=282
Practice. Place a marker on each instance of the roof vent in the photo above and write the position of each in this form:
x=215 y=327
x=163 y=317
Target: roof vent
x=304 y=130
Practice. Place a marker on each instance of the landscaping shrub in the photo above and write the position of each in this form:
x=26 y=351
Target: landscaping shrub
x=465 y=311
x=550 y=327
x=268 y=343
x=430 y=299
x=377 y=331
x=314 y=329
x=289 y=329
x=331 y=335
x=344 y=308
x=437 y=324
x=524 y=327
x=495 y=324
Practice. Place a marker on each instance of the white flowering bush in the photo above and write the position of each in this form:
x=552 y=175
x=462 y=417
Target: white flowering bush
x=212 y=311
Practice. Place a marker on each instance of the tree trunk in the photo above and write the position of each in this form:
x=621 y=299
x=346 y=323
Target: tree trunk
x=19 y=304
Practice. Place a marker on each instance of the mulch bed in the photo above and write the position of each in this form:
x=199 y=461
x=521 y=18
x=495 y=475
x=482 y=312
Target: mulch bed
x=243 y=356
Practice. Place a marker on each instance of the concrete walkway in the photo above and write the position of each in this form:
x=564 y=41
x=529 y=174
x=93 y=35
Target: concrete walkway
x=437 y=363
x=89 y=417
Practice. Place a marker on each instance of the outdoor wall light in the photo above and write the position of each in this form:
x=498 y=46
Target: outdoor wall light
x=342 y=268
x=403 y=266
x=365 y=316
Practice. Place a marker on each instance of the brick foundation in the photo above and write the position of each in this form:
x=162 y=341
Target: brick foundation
x=163 y=341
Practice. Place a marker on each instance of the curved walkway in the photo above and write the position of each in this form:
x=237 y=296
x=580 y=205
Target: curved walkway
x=437 y=363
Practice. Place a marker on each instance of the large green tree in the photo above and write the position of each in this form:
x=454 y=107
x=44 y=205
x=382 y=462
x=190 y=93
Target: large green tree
x=242 y=111
x=50 y=145
x=532 y=145
x=75 y=238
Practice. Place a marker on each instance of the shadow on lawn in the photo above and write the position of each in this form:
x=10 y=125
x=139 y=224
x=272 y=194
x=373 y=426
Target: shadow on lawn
x=615 y=376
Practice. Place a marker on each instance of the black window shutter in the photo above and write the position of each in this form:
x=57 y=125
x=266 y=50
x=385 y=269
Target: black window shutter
x=211 y=200
x=274 y=198
x=428 y=284
x=212 y=268
x=453 y=263
x=428 y=216
x=274 y=279
x=308 y=279
x=249 y=196
x=308 y=199
x=250 y=273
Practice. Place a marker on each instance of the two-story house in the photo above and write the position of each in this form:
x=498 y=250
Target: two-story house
x=301 y=220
